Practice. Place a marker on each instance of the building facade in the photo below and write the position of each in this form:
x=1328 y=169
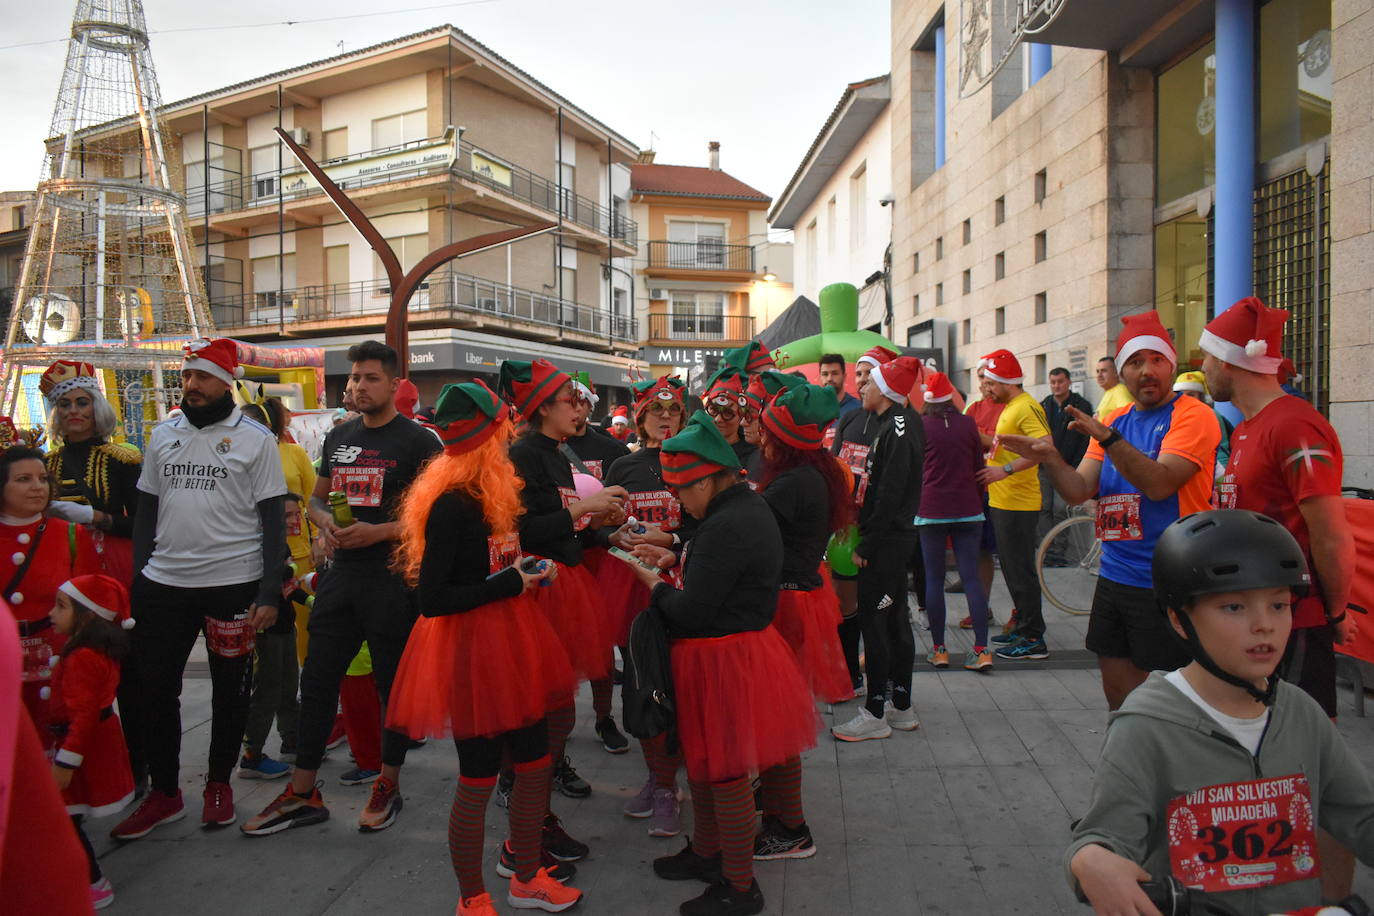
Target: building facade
x=16 y=209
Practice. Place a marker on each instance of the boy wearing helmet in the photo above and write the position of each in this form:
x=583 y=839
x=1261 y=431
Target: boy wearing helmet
x=1219 y=773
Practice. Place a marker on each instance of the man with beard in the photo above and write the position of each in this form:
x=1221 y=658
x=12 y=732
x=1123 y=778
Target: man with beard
x=831 y=367
x=1149 y=466
x=209 y=536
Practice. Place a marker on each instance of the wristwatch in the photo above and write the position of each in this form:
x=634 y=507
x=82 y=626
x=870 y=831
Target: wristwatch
x=1008 y=468
x=1111 y=440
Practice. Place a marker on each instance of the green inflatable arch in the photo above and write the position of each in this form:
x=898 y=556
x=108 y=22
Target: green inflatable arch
x=839 y=331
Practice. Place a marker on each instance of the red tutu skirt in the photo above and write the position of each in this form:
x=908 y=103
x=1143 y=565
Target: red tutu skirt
x=577 y=614
x=594 y=558
x=742 y=704
x=623 y=596
x=480 y=673
x=102 y=785
x=808 y=622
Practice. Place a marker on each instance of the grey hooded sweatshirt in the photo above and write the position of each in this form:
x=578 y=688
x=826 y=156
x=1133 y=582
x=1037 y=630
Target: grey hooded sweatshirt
x=1160 y=746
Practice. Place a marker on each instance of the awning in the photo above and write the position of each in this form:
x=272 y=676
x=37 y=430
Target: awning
x=1144 y=33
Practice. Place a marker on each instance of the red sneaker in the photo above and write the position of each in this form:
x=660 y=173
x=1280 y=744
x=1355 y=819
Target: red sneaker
x=219 y=805
x=480 y=905
x=158 y=808
x=542 y=892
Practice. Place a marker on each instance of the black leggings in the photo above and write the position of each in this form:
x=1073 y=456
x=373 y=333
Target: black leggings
x=480 y=758
x=885 y=622
x=93 y=867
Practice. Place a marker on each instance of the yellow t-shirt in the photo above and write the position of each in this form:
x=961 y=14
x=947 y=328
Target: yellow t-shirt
x=300 y=479
x=1023 y=416
x=1114 y=400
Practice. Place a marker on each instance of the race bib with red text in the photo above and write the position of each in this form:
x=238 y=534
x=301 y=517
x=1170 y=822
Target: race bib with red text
x=502 y=551
x=570 y=496
x=1118 y=517
x=1227 y=492
x=657 y=507
x=362 y=485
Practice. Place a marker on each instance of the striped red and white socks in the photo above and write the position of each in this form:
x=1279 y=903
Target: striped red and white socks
x=466 y=826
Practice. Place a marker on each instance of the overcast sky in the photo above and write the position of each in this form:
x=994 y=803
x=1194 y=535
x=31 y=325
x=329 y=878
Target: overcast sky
x=760 y=76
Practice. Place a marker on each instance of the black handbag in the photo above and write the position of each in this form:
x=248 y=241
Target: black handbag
x=647 y=692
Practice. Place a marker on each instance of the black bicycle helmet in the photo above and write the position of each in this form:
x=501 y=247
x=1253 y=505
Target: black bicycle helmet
x=1224 y=550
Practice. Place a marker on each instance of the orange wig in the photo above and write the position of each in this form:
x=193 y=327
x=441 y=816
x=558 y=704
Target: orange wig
x=485 y=474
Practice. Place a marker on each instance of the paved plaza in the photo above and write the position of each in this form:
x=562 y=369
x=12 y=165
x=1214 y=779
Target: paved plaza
x=967 y=815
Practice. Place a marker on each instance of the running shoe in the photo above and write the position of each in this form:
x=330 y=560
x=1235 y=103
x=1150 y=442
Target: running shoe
x=642 y=805
x=860 y=688
x=978 y=661
x=102 y=894
x=778 y=841
x=383 y=806
x=559 y=845
x=287 y=810
x=902 y=719
x=1010 y=626
x=479 y=905
x=566 y=780
x=922 y=618
x=505 y=784
x=687 y=865
x=261 y=767
x=863 y=727
x=938 y=657
x=562 y=872
x=158 y=808
x=219 y=805
x=337 y=735
x=666 y=822
x=1024 y=649
x=357 y=776
x=611 y=738
x=1006 y=639
x=967 y=622
x=724 y=900
x=542 y=892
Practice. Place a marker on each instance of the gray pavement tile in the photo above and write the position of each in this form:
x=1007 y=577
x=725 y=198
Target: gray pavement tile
x=946 y=883
x=925 y=807
x=1042 y=686
x=996 y=740
x=950 y=741
x=982 y=810
x=1085 y=685
x=881 y=879
x=1023 y=881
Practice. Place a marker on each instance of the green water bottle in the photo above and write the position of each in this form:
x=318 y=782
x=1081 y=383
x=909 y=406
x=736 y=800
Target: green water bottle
x=339 y=508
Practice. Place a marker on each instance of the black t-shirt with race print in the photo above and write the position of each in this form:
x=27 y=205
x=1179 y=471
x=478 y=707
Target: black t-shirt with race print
x=373 y=466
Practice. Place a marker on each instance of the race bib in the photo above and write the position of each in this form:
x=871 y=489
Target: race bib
x=362 y=486
x=855 y=456
x=1227 y=492
x=36 y=654
x=1118 y=517
x=1242 y=835
x=594 y=468
x=657 y=507
x=502 y=551
x=829 y=438
x=230 y=638
x=569 y=496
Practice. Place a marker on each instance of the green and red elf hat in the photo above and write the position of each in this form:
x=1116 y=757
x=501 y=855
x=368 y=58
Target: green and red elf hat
x=768 y=383
x=750 y=358
x=466 y=415
x=665 y=389
x=726 y=387
x=696 y=453
x=528 y=385
x=800 y=414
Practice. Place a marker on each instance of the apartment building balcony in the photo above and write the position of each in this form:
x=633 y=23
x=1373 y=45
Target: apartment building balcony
x=446 y=299
x=700 y=260
x=479 y=181
x=678 y=328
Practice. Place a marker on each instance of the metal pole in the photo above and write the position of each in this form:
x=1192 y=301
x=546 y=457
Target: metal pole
x=100 y=271
x=205 y=217
x=1041 y=59
x=281 y=233
x=1317 y=297
x=1235 y=152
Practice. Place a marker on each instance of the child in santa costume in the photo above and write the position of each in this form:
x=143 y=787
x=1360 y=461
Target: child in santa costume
x=91 y=763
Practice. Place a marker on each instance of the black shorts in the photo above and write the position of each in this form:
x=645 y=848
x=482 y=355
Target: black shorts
x=1309 y=662
x=1127 y=623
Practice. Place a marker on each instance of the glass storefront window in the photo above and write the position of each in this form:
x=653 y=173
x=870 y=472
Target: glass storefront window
x=1181 y=283
x=1184 y=125
x=1295 y=75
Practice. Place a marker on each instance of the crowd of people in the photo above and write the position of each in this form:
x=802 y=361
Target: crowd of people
x=457 y=573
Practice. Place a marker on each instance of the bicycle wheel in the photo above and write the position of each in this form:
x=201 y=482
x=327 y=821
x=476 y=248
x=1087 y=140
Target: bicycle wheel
x=1067 y=564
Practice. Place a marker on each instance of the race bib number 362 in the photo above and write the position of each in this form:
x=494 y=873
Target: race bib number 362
x=1241 y=835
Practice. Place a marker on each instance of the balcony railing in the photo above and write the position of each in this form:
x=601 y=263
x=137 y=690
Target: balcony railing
x=696 y=326
x=417 y=159
x=707 y=254
x=444 y=292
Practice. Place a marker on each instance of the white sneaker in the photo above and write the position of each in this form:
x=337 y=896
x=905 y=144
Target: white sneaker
x=862 y=727
x=922 y=618
x=904 y=719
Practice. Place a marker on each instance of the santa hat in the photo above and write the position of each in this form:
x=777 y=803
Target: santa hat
x=103 y=596
x=799 y=415
x=1288 y=371
x=726 y=387
x=582 y=384
x=938 y=388
x=1248 y=335
x=527 y=385
x=768 y=383
x=895 y=378
x=750 y=358
x=666 y=389
x=1001 y=366
x=466 y=415
x=1191 y=381
x=67 y=375
x=877 y=356
x=696 y=453
x=218 y=357
x=407 y=396
x=1143 y=332
x=620 y=416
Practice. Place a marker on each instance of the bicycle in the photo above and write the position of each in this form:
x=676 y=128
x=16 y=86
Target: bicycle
x=1068 y=560
x=1172 y=898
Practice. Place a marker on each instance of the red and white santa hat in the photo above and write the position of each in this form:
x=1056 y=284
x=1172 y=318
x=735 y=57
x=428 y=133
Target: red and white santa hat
x=1143 y=332
x=1248 y=335
x=877 y=356
x=103 y=596
x=219 y=357
x=938 y=388
x=1002 y=366
x=895 y=378
x=621 y=416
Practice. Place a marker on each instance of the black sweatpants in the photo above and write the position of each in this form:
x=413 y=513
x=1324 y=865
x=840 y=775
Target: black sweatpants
x=353 y=604
x=885 y=622
x=169 y=620
x=1016 y=546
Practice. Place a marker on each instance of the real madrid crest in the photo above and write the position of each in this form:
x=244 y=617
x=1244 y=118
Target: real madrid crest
x=223 y=446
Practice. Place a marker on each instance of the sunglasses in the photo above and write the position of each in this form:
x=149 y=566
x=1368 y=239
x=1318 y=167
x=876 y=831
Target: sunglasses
x=673 y=410
x=572 y=399
x=724 y=412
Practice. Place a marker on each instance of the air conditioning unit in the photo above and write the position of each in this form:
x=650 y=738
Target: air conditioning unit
x=488 y=304
x=300 y=135
x=658 y=293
